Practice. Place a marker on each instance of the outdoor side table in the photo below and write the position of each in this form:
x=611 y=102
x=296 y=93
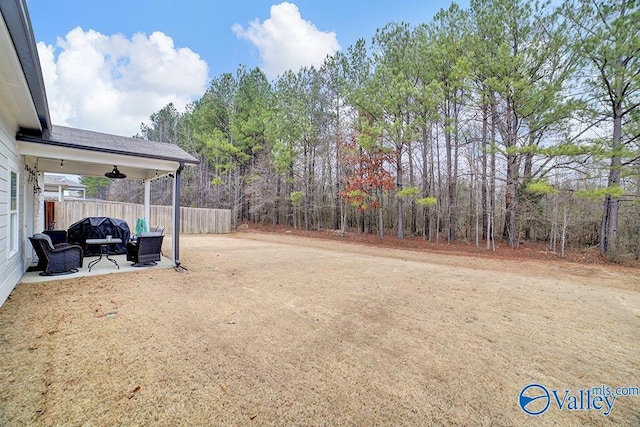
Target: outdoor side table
x=104 y=250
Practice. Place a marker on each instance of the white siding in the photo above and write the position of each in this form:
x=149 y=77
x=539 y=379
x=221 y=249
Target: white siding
x=11 y=268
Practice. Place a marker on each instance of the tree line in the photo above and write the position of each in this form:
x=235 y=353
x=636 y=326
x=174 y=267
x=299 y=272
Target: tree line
x=511 y=120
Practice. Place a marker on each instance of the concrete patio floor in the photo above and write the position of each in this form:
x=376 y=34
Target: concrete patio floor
x=103 y=267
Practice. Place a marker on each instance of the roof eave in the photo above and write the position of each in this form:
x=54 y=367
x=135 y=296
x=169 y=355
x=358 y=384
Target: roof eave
x=16 y=16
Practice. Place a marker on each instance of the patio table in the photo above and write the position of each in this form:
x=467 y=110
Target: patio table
x=104 y=250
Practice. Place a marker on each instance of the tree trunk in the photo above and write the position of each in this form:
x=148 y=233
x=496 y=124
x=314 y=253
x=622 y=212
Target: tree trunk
x=413 y=226
x=511 y=198
x=484 y=183
x=290 y=208
x=440 y=192
x=307 y=188
x=276 y=202
x=511 y=202
x=451 y=185
x=427 y=178
x=609 y=225
x=400 y=233
x=380 y=215
x=527 y=171
x=492 y=178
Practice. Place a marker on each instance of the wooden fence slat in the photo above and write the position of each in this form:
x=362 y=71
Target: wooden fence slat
x=192 y=220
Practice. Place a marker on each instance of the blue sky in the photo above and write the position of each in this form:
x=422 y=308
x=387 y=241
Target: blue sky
x=109 y=65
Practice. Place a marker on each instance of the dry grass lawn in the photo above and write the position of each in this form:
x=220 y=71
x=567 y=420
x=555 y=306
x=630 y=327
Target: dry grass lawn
x=283 y=330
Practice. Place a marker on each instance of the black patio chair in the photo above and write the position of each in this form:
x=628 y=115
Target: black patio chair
x=145 y=250
x=157 y=229
x=58 y=259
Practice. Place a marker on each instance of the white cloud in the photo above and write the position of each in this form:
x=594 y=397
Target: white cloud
x=286 y=41
x=112 y=84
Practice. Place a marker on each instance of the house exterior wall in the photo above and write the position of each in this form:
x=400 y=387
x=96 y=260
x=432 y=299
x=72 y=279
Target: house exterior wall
x=21 y=95
x=12 y=263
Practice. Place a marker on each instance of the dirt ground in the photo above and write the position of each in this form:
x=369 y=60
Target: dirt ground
x=277 y=329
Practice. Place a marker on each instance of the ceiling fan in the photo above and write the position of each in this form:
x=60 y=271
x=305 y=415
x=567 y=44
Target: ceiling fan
x=115 y=173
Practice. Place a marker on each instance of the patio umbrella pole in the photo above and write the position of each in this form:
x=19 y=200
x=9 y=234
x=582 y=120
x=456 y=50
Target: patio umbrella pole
x=176 y=221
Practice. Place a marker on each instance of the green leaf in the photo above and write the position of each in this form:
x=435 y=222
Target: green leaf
x=541 y=187
x=408 y=192
x=427 y=201
x=296 y=197
x=595 y=194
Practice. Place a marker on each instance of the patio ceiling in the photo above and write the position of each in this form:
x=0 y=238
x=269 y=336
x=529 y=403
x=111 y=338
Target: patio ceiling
x=79 y=162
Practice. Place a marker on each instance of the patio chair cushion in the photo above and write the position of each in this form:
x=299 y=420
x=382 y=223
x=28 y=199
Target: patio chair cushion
x=157 y=229
x=44 y=237
x=150 y=233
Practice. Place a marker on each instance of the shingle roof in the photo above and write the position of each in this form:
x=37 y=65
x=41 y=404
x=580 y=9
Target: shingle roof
x=61 y=180
x=106 y=143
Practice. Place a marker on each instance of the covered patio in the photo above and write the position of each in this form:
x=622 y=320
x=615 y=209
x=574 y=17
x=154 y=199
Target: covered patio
x=101 y=268
x=81 y=152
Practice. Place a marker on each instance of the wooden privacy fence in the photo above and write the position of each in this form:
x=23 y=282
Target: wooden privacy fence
x=192 y=220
